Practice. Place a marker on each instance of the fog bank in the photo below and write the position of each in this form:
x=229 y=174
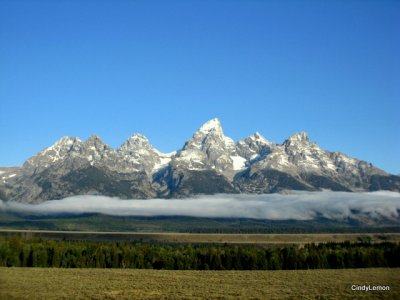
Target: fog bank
x=296 y=206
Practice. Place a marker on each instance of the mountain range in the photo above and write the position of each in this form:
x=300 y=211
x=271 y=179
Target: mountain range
x=208 y=163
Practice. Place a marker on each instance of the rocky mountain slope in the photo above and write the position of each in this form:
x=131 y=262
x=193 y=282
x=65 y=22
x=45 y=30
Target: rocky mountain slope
x=208 y=163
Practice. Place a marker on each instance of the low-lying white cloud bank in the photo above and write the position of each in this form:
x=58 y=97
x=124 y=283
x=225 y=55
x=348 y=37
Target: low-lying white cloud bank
x=296 y=206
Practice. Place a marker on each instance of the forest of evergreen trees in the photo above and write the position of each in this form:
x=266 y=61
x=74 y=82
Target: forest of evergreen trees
x=19 y=252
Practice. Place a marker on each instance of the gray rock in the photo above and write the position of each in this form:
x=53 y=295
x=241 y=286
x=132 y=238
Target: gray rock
x=208 y=163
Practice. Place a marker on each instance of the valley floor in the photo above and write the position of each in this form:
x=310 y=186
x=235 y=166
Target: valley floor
x=213 y=238
x=49 y=283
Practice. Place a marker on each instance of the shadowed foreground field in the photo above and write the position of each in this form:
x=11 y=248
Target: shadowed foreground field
x=47 y=283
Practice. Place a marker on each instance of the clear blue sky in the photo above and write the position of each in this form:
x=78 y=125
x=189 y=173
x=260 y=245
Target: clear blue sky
x=162 y=68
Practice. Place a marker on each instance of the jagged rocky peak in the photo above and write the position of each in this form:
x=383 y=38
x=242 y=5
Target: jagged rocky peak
x=210 y=134
x=65 y=143
x=258 y=139
x=300 y=137
x=254 y=146
x=211 y=126
x=95 y=143
x=97 y=152
x=139 y=154
x=258 y=136
x=135 y=142
x=56 y=152
x=209 y=148
x=308 y=157
x=66 y=140
x=138 y=146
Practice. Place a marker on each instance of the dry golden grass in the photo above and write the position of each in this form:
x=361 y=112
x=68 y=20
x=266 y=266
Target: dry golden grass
x=47 y=283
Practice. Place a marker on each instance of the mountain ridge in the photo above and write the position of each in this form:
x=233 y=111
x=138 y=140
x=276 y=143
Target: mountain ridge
x=209 y=162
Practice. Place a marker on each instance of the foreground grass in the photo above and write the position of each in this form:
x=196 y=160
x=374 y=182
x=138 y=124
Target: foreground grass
x=48 y=283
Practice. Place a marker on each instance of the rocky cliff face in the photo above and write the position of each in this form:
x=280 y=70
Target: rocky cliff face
x=208 y=163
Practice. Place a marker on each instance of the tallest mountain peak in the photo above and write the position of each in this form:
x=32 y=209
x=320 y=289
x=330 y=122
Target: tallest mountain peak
x=211 y=125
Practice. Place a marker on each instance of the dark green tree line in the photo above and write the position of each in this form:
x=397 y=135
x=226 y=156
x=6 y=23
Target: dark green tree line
x=18 y=252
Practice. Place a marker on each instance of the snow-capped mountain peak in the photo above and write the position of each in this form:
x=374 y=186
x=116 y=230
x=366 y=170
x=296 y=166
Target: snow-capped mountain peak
x=209 y=162
x=64 y=143
x=258 y=138
x=299 y=137
x=209 y=134
x=96 y=151
x=58 y=151
x=135 y=142
x=95 y=143
x=93 y=138
x=209 y=148
x=139 y=137
x=254 y=147
x=62 y=147
x=213 y=125
x=139 y=154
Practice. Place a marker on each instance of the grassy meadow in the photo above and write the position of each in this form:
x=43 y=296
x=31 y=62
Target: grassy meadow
x=58 y=283
x=73 y=248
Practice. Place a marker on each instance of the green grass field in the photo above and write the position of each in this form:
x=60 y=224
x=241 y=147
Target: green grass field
x=47 y=283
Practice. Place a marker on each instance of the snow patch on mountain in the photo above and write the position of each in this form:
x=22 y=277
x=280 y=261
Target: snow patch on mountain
x=137 y=169
x=239 y=163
